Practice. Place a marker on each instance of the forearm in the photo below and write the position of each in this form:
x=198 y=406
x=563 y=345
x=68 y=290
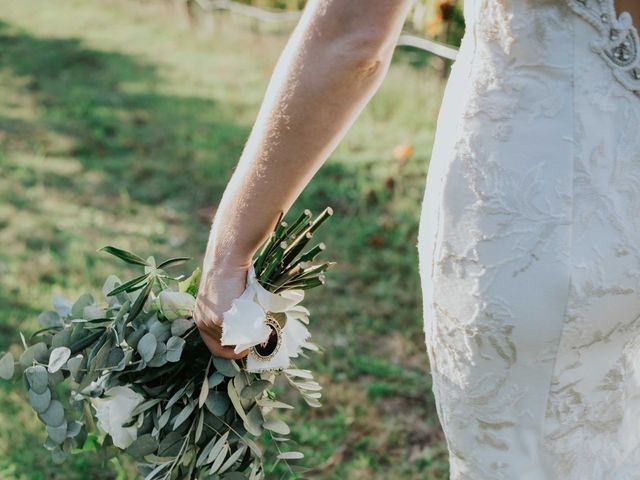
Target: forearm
x=333 y=63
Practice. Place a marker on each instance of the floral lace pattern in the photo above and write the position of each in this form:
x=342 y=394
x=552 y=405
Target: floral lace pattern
x=618 y=43
x=529 y=247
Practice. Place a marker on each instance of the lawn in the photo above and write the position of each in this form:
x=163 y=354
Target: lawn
x=120 y=125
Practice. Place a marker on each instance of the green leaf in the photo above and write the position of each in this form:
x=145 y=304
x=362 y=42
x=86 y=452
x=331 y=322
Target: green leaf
x=226 y=366
x=54 y=415
x=58 y=456
x=219 y=458
x=235 y=400
x=61 y=305
x=232 y=459
x=215 y=379
x=74 y=366
x=131 y=285
x=184 y=415
x=175 y=345
x=254 y=421
x=128 y=257
x=266 y=402
x=217 y=447
x=7 y=366
x=85 y=300
x=58 y=434
x=147 y=347
x=254 y=389
x=217 y=403
x=38 y=352
x=143 y=445
x=290 y=455
x=173 y=261
x=40 y=401
x=277 y=426
x=204 y=392
x=58 y=358
x=180 y=326
x=38 y=378
x=138 y=305
x=170 y=445
x=49 y=319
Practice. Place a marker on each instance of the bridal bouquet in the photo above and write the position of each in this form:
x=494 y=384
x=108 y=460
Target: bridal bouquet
x=132 y=372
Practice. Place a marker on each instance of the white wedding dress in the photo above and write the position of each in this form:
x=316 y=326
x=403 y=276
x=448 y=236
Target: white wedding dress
x=529 y=245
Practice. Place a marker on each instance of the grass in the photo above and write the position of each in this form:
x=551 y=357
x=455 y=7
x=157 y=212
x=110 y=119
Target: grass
x=120 y=125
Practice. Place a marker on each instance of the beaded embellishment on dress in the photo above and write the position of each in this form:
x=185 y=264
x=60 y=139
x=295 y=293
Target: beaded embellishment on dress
x=618 y=43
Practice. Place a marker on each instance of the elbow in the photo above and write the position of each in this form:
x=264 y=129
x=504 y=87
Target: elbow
x=364 y=55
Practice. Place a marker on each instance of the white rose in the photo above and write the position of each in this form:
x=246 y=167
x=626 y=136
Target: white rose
x=113 y=410
x=174 y=305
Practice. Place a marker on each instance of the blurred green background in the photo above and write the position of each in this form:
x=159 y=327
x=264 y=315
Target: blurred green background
x=120 y=123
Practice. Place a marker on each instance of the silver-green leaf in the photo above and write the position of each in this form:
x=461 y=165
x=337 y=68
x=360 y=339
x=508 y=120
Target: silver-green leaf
x=147 y=347
x=58 y=358
x=7 y=366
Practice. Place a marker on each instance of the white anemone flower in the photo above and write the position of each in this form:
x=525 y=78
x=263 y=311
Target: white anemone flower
x=113 y=410
x=246 y=324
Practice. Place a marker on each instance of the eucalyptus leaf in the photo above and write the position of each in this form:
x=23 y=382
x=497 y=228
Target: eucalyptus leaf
x=160 y=355
x=38 y=352
x=54 y=415
x=253 y=423
x=180 y=326
x=277 y=426
x=58 y=434
x=40 y=401
x=147 y=346
x=85 y=300
x=61 y=305
x=254 y=389
x=38 y=378
x=170 y=445
x=143 y=445
x=175 y=345
x=74 y=364
x=61 y=338
x=217 y=403
x=7 y=366
x=58 y=456
x=225 y=366
x=215 y=379
x=73 y=429
x=58 y=358
x=268 y=403
x=290 y=455
x=50 y=319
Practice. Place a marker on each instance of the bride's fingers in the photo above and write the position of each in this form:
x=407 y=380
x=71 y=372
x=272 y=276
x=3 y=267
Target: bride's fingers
x=213 y=344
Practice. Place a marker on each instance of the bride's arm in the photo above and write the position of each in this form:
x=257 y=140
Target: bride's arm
x=331 y=66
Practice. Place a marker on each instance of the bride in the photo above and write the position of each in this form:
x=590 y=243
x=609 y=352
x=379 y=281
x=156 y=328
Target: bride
x=529 y=242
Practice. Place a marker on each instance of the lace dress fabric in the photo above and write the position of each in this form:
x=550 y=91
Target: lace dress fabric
x=529 y=245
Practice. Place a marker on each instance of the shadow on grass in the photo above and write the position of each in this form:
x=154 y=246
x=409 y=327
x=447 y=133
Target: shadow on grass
x=155 y=146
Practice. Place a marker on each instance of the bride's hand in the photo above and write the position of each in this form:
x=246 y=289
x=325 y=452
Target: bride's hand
x=220 y=286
